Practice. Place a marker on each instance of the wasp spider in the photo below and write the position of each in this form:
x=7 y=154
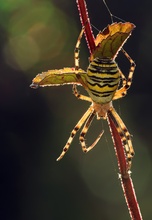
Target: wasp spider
x=103 y=77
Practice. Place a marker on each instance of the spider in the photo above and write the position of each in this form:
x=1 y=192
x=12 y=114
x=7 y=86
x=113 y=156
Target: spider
x=102 y=80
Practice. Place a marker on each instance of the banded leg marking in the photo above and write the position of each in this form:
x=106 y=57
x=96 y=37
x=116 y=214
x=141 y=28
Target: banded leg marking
x=79 y=96
x=77 y=49
x=123 y=91
x=124 y=81
x=125 y=136
x=84 y=132
x=74 y=131
x=76 y=60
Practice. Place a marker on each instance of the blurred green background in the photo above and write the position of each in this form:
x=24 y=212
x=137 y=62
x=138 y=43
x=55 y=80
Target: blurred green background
x=36 y=36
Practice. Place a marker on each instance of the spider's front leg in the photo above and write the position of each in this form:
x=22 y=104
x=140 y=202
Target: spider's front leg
x=124 y=134
x=126 y=82
x=84 y=132
x=74 y=131
x=79 y=96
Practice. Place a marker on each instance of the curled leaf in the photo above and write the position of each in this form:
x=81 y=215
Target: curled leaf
x=111 y=39
x=58 y=77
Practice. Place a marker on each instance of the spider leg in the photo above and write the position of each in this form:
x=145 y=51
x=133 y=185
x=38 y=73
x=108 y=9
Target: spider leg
x=79 y=96
x=124 y=134
x=76 y=61
x=77 y=49
x=74 y=131
x=126 y=83
x=84 y=132
x=76 y=57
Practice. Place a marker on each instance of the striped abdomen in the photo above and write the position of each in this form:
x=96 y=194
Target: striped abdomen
x=103 y=76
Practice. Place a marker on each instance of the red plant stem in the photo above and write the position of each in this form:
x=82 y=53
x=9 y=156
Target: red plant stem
x=85 y=21
x=125 y=177
x=119 y=149
x=131 y=199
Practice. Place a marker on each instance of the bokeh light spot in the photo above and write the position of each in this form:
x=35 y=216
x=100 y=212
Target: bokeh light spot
x=21 y=52
x=35 y=35
x=10 y=5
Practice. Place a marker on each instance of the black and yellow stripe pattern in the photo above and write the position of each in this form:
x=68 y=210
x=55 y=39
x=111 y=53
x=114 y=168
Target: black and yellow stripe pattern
x=103 y=77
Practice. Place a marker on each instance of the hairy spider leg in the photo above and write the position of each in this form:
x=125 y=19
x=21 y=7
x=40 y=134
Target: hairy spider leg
x=76 y=61
x=84 y=132
x=76 y=57
x=126 y=83
x=124 y=135
x=74 y=131
x=77 y=49
x=79 y=96
x=123 y=78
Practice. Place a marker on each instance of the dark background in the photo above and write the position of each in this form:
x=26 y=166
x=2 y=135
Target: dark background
x=36 y=36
